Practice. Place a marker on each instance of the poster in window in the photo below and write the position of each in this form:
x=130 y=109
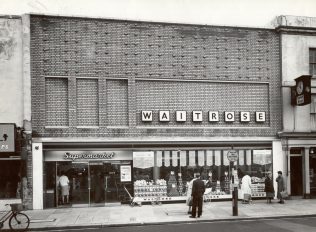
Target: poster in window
x=143 y=159
x=126 y=174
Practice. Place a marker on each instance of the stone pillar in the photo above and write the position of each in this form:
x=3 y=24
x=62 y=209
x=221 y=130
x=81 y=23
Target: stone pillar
x=279 y=161
x=37 y=162
x=156 y=170
x=306 y=177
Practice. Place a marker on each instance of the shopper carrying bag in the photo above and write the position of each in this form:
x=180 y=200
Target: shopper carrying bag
x=281 y=194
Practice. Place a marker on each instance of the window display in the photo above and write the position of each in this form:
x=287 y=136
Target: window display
x=11 y=174
x=166 y=174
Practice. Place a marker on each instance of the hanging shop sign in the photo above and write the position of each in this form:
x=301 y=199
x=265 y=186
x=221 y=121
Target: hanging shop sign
x=197 y=116
x=7 y=137
x=87 y=155
x=301 y=92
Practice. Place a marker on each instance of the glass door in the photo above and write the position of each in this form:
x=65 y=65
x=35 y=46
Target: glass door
x=112 y=181
x=78 y=176
x=97 y=183
x=80 y=184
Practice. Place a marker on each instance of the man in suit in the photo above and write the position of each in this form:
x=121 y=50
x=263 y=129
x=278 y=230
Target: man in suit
x=198 y=190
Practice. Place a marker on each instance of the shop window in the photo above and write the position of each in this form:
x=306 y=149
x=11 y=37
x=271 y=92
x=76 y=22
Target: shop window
x=87 y=102
x=313 y=112
x=10 y=179
x=312 y=61
x=56 y=101
x=166 y=174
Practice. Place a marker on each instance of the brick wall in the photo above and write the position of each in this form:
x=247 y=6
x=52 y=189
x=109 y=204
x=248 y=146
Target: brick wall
x=135 y=66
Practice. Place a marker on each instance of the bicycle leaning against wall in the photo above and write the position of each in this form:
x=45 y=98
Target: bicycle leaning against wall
x=17 y=221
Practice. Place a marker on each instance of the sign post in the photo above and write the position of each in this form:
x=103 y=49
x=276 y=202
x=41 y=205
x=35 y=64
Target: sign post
x=232 y=156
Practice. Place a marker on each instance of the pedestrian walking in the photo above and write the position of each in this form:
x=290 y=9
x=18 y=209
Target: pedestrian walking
x=281 y=187
x=198 y=190
x=268 y=188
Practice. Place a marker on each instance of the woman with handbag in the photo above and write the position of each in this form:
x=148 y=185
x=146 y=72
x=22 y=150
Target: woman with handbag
x=281 y=187
x=189 y=200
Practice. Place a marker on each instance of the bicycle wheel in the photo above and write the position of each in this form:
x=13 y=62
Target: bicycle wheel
x=19 y=222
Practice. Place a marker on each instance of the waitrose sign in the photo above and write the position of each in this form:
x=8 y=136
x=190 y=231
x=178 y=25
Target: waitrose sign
x=197 y=116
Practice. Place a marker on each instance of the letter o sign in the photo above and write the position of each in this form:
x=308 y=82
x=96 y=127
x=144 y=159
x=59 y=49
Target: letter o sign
x=229 y=116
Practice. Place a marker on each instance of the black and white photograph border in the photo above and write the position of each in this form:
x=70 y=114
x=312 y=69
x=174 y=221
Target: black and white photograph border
x=158 y=115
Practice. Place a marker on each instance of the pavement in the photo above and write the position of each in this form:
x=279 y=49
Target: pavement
x=125 y=215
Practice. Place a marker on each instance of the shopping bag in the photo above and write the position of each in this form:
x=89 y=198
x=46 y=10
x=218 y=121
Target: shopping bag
x=284 y=194
x=189 y=201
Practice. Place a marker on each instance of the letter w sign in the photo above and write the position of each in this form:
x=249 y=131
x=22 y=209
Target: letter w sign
x=147 y=116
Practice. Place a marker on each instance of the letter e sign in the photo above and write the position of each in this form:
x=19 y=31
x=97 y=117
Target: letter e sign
x=260 y=116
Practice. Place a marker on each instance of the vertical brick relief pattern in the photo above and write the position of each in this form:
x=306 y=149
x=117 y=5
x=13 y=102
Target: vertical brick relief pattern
x=87 y=102
x=56 y=101
x=203 y=96
x=117 y=98
x=116 y=49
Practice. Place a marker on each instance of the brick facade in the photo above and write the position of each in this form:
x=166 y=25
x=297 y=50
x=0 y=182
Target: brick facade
x=124 y=67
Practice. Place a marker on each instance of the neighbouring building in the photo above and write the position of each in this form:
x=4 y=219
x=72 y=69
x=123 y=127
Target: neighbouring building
x=298 y=46
x=15 y=113
x=139 y=107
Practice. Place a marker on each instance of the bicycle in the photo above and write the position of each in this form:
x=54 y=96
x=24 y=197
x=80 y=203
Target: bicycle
x=17 y=221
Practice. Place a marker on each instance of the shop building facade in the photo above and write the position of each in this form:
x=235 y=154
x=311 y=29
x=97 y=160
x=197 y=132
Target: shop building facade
x=14 y=113
x=142 y=106
x=298 y=39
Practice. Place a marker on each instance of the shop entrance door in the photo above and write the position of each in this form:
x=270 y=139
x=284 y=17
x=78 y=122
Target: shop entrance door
x=97 y=183
x=296 y=176
x=112 y=181
x=93 y=183
x=105 y=183
x=78 y=174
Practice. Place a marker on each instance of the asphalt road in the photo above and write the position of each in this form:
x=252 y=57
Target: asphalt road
x=307 y=224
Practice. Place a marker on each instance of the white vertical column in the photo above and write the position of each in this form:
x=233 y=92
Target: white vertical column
x=279 y=161
x=37 y=163
x=306 y=177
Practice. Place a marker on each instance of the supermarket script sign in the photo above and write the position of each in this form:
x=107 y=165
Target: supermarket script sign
x=74 y=156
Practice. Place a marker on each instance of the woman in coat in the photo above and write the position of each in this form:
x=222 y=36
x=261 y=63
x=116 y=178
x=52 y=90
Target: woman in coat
x=268 y=188
x=189 y=193
x=246 y=188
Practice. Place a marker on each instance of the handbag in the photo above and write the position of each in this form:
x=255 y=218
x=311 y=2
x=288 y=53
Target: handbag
x=189 y=201
x=284 y=194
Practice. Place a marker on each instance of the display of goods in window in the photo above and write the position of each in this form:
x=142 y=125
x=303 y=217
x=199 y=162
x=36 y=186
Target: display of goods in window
x=172 y=188
x=181 y=186
x=143 y=188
